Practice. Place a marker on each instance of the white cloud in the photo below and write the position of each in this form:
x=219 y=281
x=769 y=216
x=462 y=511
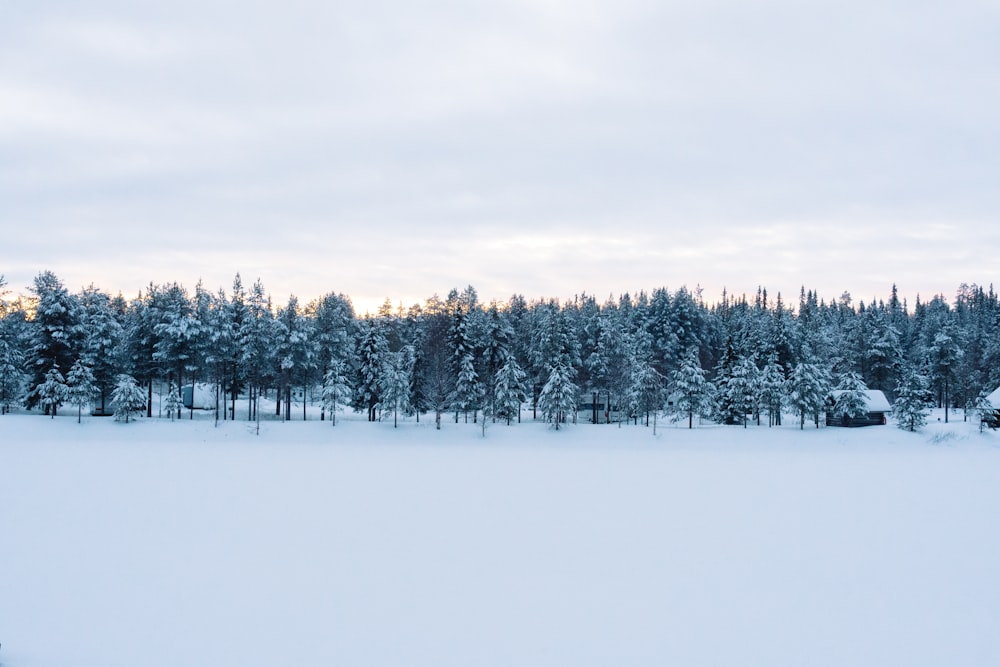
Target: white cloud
x=539 y=147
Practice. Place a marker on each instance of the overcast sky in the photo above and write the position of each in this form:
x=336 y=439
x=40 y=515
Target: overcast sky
x=398 y=148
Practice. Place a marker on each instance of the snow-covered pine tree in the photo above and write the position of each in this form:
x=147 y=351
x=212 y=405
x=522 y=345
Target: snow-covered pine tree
x=807 y=388
x=742 y=389
x=646 y=395
x=296 y=352
x=692 y=391
x=373 y=350
x=256 y=345
x=883 y=354
x=724 y=411
x=558 y=397
x=852 y=399
x=467 y=387
x=172 y=402
x=332 y=317
x=772 y=390
x=606 y=363
x=493 y=342
x=128 y=397
x=56 y=328
x=396 y=380
x=103 y=340
x=944 y=355
x=510 y=390
x=912 y=400
x=11 y=367
x=81 y=387
x=52 y=391
x=336 y=389
x=176 y=331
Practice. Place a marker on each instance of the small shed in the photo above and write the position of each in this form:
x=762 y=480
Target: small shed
x=200 y=396
x=875 y=402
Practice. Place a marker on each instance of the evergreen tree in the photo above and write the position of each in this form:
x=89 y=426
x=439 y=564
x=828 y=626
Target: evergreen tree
x=912 y=399
x=435 y=370
x=772 y=390
x=396 y=380
x=373 y=350
x=726 y=409
x=851 y=398
x=742 y=390
x=558 y=397
x=81 y=387
x=103 y=340
x=52 y=391
x=128 y=398
x=944 y=355
x=807 y=390
x=336 y=388
x=510 y=390
x=692 y=391
x=606 y=363
x=646 y=395
x=467 y=390
x=467 y=387
x=883 y=354
x=173 y=403
x=332 y=318
x=12 y=374
x=57 y=331
x=257 y=346
x=295 y=351
x=176 y=330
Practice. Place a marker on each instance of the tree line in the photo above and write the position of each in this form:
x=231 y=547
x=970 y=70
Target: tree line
x=626 y=358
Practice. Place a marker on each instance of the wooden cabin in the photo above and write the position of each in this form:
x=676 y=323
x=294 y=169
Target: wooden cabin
x=876 y=403
x=993 y=420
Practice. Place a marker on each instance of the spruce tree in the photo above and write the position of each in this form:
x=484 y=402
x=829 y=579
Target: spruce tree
x=395 y=383
x=81 y=387
x=851 y=398
x=128 y=398
x=772 y=390
x=336 y=389
x=373 y=350
x=692 y=391
x=173 y=403
x=57 y=330
x=11 y=366
x=52 y=391
x=912 y=400
x=808 y=388
x=510 y=390
x=558 y=397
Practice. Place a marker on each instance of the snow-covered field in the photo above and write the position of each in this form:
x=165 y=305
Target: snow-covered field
x=160 y=543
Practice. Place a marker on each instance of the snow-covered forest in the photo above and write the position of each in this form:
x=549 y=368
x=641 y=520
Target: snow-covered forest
x=628 y=357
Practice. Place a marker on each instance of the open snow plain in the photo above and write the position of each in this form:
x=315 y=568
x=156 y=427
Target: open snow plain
x=160 y=543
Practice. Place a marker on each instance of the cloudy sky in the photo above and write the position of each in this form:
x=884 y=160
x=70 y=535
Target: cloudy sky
x=398 y=148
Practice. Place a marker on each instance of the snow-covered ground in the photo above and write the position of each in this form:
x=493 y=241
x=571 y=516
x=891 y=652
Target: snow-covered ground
x=162 y=543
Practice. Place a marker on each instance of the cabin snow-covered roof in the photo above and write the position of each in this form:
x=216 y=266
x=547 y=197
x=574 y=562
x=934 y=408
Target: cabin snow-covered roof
x=994 y=399
x=875 y=400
